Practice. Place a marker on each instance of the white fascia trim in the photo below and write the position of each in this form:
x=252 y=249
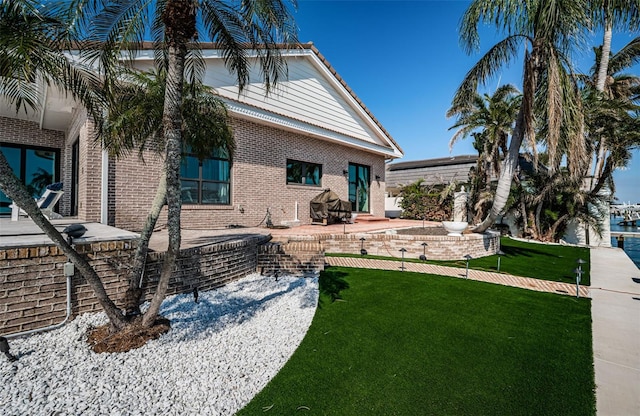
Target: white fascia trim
x=265 y=117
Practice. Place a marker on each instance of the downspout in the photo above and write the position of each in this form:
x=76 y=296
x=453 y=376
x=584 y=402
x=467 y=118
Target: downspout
x=104 y=191
x=69 y=272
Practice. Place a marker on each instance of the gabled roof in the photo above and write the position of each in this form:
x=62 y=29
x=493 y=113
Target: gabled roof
x=314 y=100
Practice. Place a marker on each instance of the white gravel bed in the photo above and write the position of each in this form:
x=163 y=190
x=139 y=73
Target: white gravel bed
x=217 y=356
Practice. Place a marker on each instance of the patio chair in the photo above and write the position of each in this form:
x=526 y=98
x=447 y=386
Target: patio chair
x=46 y=202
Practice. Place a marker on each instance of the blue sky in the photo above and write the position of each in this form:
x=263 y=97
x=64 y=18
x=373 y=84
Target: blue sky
x=404 y=61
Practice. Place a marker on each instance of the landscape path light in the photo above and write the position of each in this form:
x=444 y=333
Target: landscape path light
x=578 y=273
x=402 y=250
x=363 y=252
x=467 y=257
x=423 y=256
x=500 y=253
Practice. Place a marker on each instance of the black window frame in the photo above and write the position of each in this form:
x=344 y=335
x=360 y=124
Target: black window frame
x=201 y=181
x=23 y=166
x=304 y=168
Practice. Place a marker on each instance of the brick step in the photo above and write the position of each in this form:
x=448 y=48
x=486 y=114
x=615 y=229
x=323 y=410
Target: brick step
x=369 y=218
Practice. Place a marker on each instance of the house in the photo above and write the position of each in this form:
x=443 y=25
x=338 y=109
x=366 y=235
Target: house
x=440 y=171
x=310 y=134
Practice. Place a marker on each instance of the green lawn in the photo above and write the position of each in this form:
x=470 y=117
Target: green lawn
x=540 y=261
x=414 y=344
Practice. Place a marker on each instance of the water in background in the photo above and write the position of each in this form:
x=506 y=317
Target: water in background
x=631 y=245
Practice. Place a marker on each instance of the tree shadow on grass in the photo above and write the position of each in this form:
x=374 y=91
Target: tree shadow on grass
x=331 y=282
x=527 y=252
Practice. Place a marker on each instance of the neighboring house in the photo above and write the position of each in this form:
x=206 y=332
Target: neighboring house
x=445 y=170
x=309 y=134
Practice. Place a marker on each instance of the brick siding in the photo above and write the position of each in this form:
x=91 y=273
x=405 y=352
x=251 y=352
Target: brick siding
x=258 y=181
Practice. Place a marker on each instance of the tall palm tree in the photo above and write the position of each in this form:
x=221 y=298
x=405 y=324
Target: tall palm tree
x=134 y=123
x=32 y=41
x=115 y=26
x=622 y=92
x=547 y=30
x=609 y=14
x=489 y=119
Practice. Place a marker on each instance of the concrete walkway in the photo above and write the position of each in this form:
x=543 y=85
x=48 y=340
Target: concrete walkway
x=489 y=277
x=615 y=310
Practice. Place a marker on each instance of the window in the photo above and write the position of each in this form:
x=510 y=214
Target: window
x=37 y=167
x=303 y=173
x=206 y=181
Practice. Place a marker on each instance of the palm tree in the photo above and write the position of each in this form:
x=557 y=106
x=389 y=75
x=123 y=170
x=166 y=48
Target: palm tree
x=489 y=119
x=32 y=42
x=620 y=93
x=547 y=30
x=610 y=13
x=115 y=26
x=134 y=123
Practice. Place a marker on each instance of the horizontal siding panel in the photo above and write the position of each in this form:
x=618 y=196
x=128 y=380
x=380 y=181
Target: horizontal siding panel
x=306 y=96
x=431 y=175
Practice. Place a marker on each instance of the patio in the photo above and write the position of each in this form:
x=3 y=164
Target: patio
x=25 y=233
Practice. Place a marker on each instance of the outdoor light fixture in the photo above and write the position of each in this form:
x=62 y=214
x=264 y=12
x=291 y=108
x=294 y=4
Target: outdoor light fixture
x=423 y=256
x=74 y=231
x=466 y=274
x=362 y=250
x=345 y=172
x=4 y=348
x=500 y=253
x=578 y=273
x=378 y=178
x=402 y=250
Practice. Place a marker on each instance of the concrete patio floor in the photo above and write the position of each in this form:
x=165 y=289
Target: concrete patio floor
x=25 y=233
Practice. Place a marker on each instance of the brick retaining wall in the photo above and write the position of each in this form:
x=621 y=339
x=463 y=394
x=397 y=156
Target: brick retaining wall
x=379 y=244
x=33 y=285
x=296 y=258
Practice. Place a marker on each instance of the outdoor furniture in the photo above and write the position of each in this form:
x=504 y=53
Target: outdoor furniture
x=46 y=202
x=328 y=208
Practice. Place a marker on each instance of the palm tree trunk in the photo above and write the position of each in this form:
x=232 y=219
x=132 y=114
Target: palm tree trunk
x=606 y=172
x=150 y=223
x=603 y=71
x=551 y=234
x=509 y=166
x=15 y=190
x=172 y=124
